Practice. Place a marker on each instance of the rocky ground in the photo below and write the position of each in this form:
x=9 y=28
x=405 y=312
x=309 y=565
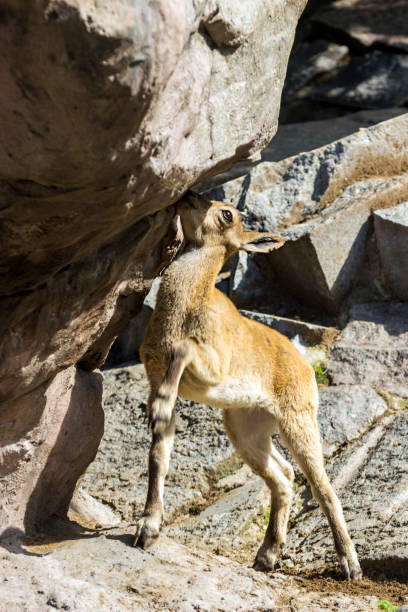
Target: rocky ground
x=216 y=515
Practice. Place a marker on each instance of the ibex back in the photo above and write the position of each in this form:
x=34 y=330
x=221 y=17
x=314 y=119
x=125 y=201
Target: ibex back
x=198 y=346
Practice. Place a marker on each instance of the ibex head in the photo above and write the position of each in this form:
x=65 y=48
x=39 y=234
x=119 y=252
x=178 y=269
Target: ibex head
x=211 y=223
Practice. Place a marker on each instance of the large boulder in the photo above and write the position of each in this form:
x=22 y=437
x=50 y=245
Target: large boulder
x=108 y=113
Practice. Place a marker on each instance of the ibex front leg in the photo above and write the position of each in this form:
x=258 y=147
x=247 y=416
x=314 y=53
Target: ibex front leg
x=162 y=421
x=161 y=408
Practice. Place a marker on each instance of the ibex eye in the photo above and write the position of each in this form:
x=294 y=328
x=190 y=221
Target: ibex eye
x=227 y=214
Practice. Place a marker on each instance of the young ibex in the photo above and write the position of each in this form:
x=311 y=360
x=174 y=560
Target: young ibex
x=198 y=346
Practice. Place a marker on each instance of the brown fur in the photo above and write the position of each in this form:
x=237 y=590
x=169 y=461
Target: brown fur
x=198 y=346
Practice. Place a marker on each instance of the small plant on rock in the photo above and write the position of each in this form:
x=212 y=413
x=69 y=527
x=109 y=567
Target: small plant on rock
x=384 y=604
x=320 y=373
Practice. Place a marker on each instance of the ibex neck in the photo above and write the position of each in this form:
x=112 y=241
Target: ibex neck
x=189 y=281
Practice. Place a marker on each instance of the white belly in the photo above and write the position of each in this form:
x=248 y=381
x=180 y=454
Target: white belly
x=232 y=393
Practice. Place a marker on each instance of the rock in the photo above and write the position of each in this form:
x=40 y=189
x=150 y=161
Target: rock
x=378 y=24
x=345 y=413
x=126 y=346
x=292 y=139
x=275 y=196
x=89 y=159
x=366 y=450
x=118 y=476
x=391 y=229
x=373 y=81
x=247 y=287
x=88 y=67
x=88 y=511
x=40 y=463
x=322 y=256
x=324 y=199
x=104 y=572
x=237 y=479
x=373 y=348
x=222 y=525
x=310 y=61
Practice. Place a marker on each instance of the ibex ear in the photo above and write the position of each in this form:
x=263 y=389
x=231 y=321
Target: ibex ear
x=261 y=242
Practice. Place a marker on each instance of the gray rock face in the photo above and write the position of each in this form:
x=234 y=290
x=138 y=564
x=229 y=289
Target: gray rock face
x=247 y=283
x=322 y=256
x=222 y=525
x=321 y=201
x=373 y=348
x=391 y=228
x=118 y=476
x=345 y=412
x=275 y=196
x=373 y=81
x=120 y=108
x=85 y=509
x=312 y=60
x=88 y=570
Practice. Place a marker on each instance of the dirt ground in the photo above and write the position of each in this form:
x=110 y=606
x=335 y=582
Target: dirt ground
x=393 y=589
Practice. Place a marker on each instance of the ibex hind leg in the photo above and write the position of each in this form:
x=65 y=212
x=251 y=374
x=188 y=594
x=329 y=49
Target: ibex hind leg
x=250 y=433
x=302 y=437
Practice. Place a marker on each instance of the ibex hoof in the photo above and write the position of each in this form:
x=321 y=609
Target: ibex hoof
x=146 y=533
x=356 y=574
x=351 y=569
x=264 y=562
x=160 y=414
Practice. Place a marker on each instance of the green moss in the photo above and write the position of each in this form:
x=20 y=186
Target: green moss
x=320 y=373
x=384 y=604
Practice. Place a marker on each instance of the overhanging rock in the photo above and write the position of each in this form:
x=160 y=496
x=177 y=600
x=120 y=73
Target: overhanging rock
x=109 y=111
